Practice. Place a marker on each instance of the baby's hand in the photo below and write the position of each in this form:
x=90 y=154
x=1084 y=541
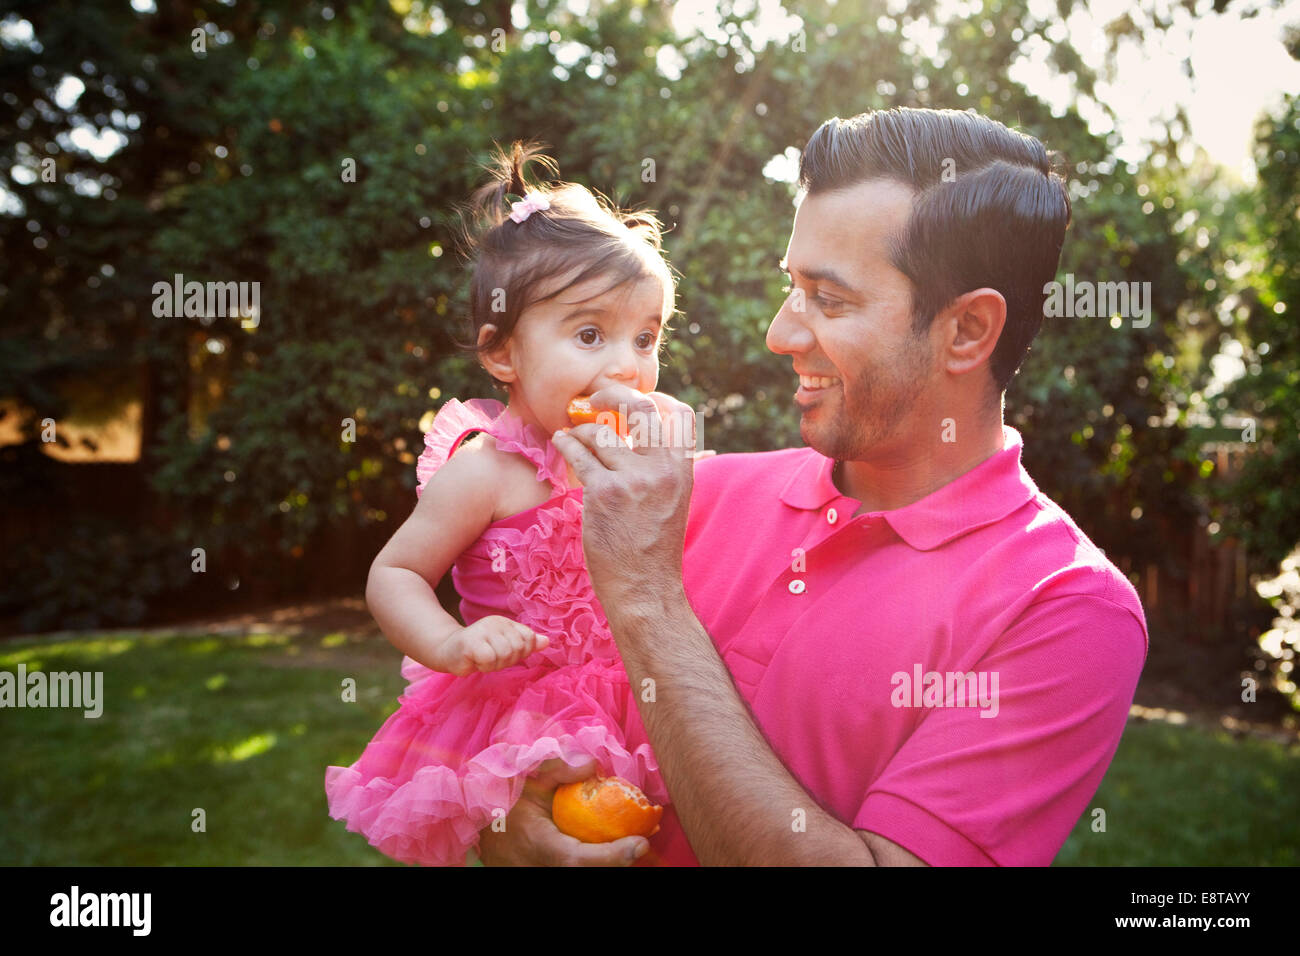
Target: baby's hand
x=489 y=644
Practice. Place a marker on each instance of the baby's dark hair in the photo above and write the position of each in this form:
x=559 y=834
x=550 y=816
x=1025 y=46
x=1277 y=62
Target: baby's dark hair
x=581 y=231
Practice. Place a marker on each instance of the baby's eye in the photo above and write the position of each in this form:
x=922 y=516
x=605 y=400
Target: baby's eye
x=589 y=336
x=645 y=340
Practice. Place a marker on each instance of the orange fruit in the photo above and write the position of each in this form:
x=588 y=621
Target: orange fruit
x=604 y=809
x=581 y=413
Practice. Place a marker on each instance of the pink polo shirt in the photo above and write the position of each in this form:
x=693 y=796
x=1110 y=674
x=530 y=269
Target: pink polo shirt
x=853 y=641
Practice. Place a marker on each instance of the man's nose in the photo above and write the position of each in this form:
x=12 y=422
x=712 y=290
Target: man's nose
x=788 y=335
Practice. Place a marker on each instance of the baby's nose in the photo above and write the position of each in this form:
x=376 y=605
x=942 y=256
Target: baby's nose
x=623 y=366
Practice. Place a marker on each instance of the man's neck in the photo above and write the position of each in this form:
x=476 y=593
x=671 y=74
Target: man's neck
x=894 y=482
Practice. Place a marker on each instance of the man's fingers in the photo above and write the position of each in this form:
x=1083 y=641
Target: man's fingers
x=542 y=842
x=554 y=772
x=620 y=398
x=566 y=851
x=579 y=455
x=550 y=847
x=600 y=455
x=667 y=404
x=656 y=419
x=638 y=409
x=678 y=425
x=630 y=848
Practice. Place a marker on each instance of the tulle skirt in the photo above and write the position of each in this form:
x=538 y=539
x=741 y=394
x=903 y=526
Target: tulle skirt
x=455 y=754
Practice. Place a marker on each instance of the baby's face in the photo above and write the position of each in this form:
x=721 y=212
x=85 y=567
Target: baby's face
x=582 y=341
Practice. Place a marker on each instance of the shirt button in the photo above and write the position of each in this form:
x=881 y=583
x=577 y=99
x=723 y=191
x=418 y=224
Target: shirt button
x=831 y=516
x=796 y=586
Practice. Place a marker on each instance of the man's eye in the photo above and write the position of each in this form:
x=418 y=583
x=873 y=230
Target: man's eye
x=589 y=336
x=829 y=305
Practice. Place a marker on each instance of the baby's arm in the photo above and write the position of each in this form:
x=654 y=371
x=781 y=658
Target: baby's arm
x=456 y=506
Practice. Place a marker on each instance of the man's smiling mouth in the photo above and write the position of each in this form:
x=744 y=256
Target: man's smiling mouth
x=817 y=382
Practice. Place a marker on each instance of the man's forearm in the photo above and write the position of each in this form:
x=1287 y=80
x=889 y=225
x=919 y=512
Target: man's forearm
x=736 y=801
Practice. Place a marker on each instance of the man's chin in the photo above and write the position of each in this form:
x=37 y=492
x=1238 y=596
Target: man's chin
x=816 y=437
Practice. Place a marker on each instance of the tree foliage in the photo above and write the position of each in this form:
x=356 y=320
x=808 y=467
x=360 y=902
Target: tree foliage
x=233 y=168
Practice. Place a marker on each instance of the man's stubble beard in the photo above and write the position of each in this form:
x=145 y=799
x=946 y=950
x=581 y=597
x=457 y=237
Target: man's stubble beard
x=853 y=433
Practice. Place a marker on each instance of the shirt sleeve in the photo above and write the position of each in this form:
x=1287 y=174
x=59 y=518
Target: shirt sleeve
x=1004 y=784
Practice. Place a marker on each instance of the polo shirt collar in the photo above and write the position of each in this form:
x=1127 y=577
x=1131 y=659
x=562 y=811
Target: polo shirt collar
x=987 y=493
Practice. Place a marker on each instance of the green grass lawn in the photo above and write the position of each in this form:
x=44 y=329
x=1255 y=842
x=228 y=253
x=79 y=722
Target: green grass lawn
x=240 y=726
x=244 y=726
x=1182 y=796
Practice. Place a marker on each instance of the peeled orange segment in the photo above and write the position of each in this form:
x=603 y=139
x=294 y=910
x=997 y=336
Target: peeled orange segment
x=604 y=809
x=581 y=413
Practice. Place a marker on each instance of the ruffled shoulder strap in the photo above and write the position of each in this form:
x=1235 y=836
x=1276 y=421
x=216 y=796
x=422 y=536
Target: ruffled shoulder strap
x=531 y=442
x=456 y=419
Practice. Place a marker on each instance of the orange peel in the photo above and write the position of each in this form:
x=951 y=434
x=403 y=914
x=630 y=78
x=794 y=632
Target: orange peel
x=581 y=413
x=604 y=809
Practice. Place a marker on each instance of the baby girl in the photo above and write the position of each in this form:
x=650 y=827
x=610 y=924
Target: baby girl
x=569 y=295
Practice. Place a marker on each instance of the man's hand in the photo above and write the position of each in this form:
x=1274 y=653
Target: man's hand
x=635 y=500
x=531 y=838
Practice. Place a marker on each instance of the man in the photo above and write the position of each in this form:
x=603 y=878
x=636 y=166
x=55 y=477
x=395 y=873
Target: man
x=888 y=647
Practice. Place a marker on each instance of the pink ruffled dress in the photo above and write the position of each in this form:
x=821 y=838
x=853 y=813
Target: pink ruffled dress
x=455 y=754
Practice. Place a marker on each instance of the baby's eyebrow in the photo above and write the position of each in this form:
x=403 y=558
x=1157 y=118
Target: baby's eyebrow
x=580 y=313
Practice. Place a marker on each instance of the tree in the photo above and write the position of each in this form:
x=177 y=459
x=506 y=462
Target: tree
x=320 y=151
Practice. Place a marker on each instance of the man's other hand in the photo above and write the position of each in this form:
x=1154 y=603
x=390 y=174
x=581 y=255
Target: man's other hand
x=530 y=837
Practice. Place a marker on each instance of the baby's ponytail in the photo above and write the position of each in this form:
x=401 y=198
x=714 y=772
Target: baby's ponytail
x=489 y=205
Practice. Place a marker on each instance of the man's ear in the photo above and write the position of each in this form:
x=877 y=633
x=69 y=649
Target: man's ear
x=973 y=324
x=499 y=363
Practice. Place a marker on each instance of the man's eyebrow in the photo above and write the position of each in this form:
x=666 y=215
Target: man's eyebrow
x=820 y=275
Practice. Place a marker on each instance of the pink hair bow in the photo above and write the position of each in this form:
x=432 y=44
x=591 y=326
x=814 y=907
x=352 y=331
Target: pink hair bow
x=533 y=202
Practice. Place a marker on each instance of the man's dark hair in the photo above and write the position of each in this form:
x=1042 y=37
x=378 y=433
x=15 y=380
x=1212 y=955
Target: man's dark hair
x=996 y=220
